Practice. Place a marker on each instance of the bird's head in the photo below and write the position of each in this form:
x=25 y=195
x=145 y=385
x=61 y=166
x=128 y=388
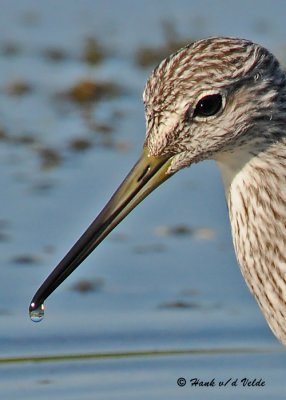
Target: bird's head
x=207 y=98
x=211 y=97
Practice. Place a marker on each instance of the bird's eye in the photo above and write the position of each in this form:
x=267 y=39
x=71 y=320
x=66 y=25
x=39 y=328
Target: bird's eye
x=209 y=105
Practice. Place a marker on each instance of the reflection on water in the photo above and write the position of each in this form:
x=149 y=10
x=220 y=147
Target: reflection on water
x=149 y=377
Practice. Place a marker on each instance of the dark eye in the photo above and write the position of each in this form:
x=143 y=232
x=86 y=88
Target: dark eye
x=208 y=106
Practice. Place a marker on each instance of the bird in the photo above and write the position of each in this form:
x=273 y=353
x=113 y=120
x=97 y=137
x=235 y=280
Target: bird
x=222 y=99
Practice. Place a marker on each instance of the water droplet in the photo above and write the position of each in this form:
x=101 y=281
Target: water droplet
x=37 y=312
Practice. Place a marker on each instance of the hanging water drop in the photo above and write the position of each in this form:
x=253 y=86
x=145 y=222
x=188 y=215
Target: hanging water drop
x=37 y=312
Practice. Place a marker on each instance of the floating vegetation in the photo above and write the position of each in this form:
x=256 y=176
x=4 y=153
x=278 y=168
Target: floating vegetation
x=87 y=285
x=50 y=157
x=55 y=54
x=105 y=129
x=93 y=52
x=3 y=134
x=180 y=304
x=80 y=144
x=25 y=139
x=10 y=49
x=150 y=56
x=87 y=91
x=26 y=259
x=176 y=230
x=44 y=381
x=19 y=88
x=192 y=305
x=203 y=233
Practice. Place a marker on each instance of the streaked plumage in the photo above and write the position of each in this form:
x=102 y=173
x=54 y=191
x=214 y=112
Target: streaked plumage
x=221 y=99
x=247 y=140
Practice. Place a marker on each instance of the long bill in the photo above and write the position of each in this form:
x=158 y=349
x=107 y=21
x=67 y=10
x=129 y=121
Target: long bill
x=147 y=174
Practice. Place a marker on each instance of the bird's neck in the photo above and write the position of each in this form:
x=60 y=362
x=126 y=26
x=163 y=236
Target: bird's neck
x=256 y=196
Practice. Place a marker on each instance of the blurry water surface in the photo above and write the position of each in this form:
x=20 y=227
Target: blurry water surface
x=166 y=279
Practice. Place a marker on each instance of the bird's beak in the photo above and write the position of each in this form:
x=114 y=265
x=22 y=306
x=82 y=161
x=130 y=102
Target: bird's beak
x=147 y=174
